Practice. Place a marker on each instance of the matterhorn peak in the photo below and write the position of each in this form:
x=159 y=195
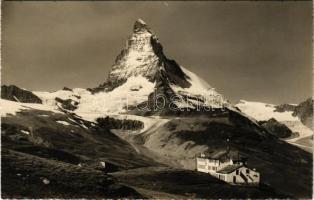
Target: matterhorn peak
x=140 y=26
x=138 y=58
x=143 y=59
x=140 y=21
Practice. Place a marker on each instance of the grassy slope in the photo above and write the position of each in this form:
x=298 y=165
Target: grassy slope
x=156 y=182
x=23 y=175
x=56 y=146
x=84 y=145
x=52 y=150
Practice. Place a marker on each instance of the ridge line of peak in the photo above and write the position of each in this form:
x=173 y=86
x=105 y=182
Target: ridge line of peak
x=140 y=25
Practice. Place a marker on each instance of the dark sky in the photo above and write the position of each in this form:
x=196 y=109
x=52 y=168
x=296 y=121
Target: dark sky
x=247 y=50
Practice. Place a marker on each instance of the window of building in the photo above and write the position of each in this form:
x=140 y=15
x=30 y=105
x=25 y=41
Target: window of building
x=237 y=172
x=247 y=171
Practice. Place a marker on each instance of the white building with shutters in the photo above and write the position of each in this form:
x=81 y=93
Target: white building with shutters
x=224 y=167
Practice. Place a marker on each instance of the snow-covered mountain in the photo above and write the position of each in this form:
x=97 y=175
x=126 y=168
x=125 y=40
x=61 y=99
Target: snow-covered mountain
x=140 y=75
x=142 y=68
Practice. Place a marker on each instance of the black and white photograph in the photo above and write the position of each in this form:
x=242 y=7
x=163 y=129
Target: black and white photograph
x=156 y=100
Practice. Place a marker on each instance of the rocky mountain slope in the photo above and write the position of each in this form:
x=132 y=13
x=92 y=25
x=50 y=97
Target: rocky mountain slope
x=304 y=111
x=150 y=115
x=50 y=153
x=276 y=128
x=14 y=93
x=28 y=176
x=298 y=118
x=181 y=139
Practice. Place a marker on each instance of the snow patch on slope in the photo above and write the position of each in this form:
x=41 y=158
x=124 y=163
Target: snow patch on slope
x=63 y=123
x=198 y=85
x=199 y=89
x=13 y=107
x=25 y=132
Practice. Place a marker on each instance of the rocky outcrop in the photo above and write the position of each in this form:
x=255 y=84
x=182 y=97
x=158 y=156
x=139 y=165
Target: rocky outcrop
x=67 y=89
x=67 y=104
x=14 y=93
x=276 y=128
x=284 y=108
x=305 y=112
x=125 y=124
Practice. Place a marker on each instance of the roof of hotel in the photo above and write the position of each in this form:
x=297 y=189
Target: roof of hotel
x=223 y=155
x=229 y=168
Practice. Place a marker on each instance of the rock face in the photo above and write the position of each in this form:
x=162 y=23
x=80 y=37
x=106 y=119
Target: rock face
x=67 y=89
x=14 y=93
x=138 y=57
x=305 y=112
x=143 y=55
x=276 y=128
x=284 y=108
x=67 y=104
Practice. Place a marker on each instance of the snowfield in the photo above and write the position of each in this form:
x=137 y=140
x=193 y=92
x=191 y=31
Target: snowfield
x=116 y=101
x=12 y=107
x=92 y=106
x=48 y=98
x=263 y=111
